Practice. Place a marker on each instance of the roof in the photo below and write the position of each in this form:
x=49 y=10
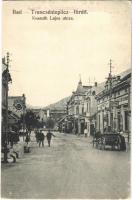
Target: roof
x=98 y=88
x=60 y=120
x=14 y=97
x=121 y=84
x=124 y=73
x=11 y=114
x=81 y=89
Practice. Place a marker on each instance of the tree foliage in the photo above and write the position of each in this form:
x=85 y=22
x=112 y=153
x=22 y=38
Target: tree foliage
x=30 y=120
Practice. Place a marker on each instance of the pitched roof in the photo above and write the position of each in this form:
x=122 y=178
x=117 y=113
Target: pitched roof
x=81 y=89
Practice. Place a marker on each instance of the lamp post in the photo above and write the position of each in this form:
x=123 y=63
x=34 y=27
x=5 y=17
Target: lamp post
x=23 y=119
x=7 y=79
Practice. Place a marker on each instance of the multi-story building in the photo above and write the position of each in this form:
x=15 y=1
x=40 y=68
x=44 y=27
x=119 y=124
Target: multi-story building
x=17 y=108
x=75 y=107
x=17 y=104
x=113 y=105
x=90 y=107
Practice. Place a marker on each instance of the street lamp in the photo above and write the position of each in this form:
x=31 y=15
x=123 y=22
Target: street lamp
x=7 y=80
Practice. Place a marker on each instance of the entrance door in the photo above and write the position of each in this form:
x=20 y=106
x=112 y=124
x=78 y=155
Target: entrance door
x=82 y=128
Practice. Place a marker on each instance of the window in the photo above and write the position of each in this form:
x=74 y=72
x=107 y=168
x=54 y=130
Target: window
x=87 y=107
x=118 y=92
x=82 y=110
x=126 y=90
x=77 y=110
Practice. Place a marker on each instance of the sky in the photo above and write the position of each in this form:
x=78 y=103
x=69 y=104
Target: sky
x=48 y=56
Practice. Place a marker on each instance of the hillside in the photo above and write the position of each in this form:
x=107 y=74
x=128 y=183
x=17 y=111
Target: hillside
x=59 y=105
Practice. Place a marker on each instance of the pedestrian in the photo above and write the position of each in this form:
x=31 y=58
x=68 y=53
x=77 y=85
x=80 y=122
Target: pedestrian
x=27 y=140
x=37 y=135
x=41 y=138
x=49 y=136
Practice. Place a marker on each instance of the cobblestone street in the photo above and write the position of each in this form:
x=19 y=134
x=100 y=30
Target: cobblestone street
x=70 y=168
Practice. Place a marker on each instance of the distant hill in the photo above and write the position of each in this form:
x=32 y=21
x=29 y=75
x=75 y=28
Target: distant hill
x=59 y=105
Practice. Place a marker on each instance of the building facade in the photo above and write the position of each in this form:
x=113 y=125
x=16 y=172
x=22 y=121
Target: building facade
x=17 y=108
x=75 y=121
x=54 y=114
x=113 y=105
x=90 y=107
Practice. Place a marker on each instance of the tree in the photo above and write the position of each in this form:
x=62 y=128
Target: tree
x=30 y=120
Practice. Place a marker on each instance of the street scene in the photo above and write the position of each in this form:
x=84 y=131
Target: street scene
x=66 y=100
x=70 y=168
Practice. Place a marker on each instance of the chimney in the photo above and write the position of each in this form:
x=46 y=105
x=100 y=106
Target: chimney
x=95 y=84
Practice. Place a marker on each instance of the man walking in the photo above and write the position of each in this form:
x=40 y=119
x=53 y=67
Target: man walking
x=41 y=138
x=49 y=136
x=27 y=140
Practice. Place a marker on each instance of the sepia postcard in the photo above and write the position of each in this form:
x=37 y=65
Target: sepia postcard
x=66 y=99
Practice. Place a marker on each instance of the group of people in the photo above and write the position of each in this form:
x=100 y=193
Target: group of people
x=40 y=137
